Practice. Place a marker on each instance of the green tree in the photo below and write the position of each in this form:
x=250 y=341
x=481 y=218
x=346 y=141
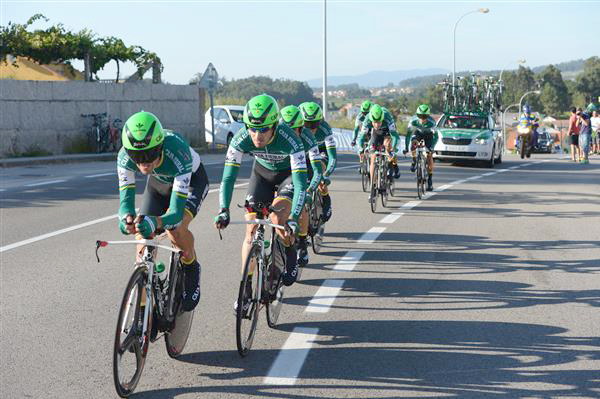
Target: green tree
x=555 y=95
x=588 y=82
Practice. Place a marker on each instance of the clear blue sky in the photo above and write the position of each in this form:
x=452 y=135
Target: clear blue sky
x=284 y=38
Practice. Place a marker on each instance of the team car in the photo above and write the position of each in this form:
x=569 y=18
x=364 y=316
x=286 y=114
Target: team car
x=469 y=137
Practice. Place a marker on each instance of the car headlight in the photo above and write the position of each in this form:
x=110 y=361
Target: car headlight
x=482 y=139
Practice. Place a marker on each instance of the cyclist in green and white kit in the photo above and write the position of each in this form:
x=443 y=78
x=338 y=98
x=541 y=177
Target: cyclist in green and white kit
x=360 y=118
x=175 y=188
x=380 y=123
x=292 y=117
x=421 y=126
x=280 y=164
x=313 y=120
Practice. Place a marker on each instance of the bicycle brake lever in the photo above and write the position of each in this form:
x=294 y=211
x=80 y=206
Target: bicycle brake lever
x=220 y=236
x=98 y=245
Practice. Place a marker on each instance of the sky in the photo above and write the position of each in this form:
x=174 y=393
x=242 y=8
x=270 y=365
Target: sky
x=284 y=39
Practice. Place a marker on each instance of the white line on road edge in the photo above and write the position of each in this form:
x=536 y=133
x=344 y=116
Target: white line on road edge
x=371 y=235
x=487 y=174
x=55 y=233
x=515 y=167
x=288 y=363
x=325 y=296
x=349 y=261
x=79 y=226
x=411 y=204
x=391 y=218
x=44 y=183
x=100 y=175
x=454 y=183
x=501 y=170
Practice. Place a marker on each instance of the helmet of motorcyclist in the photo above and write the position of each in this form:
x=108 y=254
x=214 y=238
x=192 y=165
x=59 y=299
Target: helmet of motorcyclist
x=526 y=109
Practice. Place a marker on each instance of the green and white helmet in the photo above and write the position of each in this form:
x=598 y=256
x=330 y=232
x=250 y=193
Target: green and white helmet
x=376 y=113
x=292 y=117
x=365 y=106
x=142 y=137
x=260 y=111
x=423 y=109
x=311 y=111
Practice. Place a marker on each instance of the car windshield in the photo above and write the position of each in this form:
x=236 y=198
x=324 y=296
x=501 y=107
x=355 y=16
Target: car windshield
x=463 y=122
x=237 y=115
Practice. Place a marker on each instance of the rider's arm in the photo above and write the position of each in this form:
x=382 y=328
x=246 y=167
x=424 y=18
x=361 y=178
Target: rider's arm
x=298 y=164
x=126 y=173
x=315 y=163
x=174 y=215
x=357 y=128
x=233 y=159
x=363 y=133
x=331 y=154
x=394 y=134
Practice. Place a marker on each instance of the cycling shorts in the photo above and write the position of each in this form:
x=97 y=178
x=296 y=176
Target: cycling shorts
x=264 y=183
x=427 y=136
x=377 y=138
x=157 y=195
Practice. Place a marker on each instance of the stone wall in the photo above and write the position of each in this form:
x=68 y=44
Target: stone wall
x=47 y=115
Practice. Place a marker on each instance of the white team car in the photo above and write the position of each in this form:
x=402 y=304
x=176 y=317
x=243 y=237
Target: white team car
x=228 y=120
x=469 y=137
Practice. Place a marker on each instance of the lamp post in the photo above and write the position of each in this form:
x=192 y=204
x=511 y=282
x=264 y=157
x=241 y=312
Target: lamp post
x=504 y=124
x=324 y=59
x=481 y=10
x=502 y=71
x=523 y=96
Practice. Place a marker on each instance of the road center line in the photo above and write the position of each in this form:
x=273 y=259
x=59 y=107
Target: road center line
x=515 y=167
x=391 y=218
x=325 y=296
x=370 y=236
x=442 y=188
x=487 y=174
x=458 y=182
x=44 y=183
x=348 y=261
x=101 y=174
x=287 y=365
x=411 y=204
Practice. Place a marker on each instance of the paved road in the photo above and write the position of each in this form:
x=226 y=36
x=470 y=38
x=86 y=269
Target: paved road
x=487 y=289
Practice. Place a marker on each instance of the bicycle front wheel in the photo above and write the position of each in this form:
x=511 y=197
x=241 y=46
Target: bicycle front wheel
x=374 y=188
x=272 y=281
x=419 y=171
x=131 y=344
x=248 y=302
x=365 y=177
x=177 y=336
x=316 y=222
x=383 y=183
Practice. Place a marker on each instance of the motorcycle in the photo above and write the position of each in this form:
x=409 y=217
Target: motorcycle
x=525 y=140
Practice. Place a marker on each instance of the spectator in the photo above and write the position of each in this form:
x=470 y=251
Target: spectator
x=595 y=132
x=585 y=134
x=573 y=133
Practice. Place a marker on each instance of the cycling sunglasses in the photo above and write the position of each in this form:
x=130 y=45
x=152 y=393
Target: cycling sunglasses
x=261 y=130
x=312 y=124
x=145 y=156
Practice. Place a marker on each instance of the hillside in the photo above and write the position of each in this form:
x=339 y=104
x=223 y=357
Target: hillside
x=30 y=70
x=375 y=78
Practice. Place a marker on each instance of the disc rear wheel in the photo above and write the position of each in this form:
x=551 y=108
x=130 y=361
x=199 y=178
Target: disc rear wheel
x=248 y=302
x=177 y=336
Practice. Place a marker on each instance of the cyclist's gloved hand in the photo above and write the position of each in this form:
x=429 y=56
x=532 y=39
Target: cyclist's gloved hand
x=146 y=226
x=404 y=151
x=126 y=224
x=222 y=219
x=353 y=143
x=291 y=227
x=326 y=180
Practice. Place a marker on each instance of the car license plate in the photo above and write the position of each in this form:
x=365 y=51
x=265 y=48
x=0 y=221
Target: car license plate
x=459 y=148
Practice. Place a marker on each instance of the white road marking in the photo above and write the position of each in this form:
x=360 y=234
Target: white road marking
x=502 y=170
x=371 y=235
x=349 y=261
x=442 y=188
x=391 y=218
x=515 y=167
x=411 y=204
x=55 y=233
x=288 y=363
x=101 y=174
x=76 y=227
x=474 y=177
x=325 y=296
x=458 y=182
x=44 y=183
x=488 y=174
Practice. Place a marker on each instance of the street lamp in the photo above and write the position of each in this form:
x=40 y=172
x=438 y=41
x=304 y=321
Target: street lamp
x=481 y=10
x=518 y=62
x=324 y=59
x=523 y=96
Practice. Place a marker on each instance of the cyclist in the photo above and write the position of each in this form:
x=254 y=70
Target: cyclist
x=313 y=120
x=175 y=188
x=292 y=117
x=380 y=123
x=420 y=127
x=279 y=166
x=360 y=118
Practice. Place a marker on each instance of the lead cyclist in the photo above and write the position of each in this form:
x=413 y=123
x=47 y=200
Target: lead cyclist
x=360 y=118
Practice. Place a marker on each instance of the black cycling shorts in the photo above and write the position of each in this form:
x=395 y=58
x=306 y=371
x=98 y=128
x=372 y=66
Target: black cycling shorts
x=157 y=195
x=377 y=138
x=427 y=136
x=264 y=183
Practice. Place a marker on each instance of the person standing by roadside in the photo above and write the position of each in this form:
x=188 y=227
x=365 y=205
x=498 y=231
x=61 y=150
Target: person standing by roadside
x=585 y=134
x=573 y=133
x=595 y=132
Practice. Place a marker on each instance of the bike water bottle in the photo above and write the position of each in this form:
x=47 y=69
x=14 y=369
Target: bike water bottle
x=267 y=247
x=159 y=269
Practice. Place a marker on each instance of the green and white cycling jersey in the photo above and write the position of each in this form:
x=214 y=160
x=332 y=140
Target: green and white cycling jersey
x=178 y=162
x=311 y=149
x=324 y=136
x=415 y=124
x=284 y=152
x=358 y=122
x=388 y=125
